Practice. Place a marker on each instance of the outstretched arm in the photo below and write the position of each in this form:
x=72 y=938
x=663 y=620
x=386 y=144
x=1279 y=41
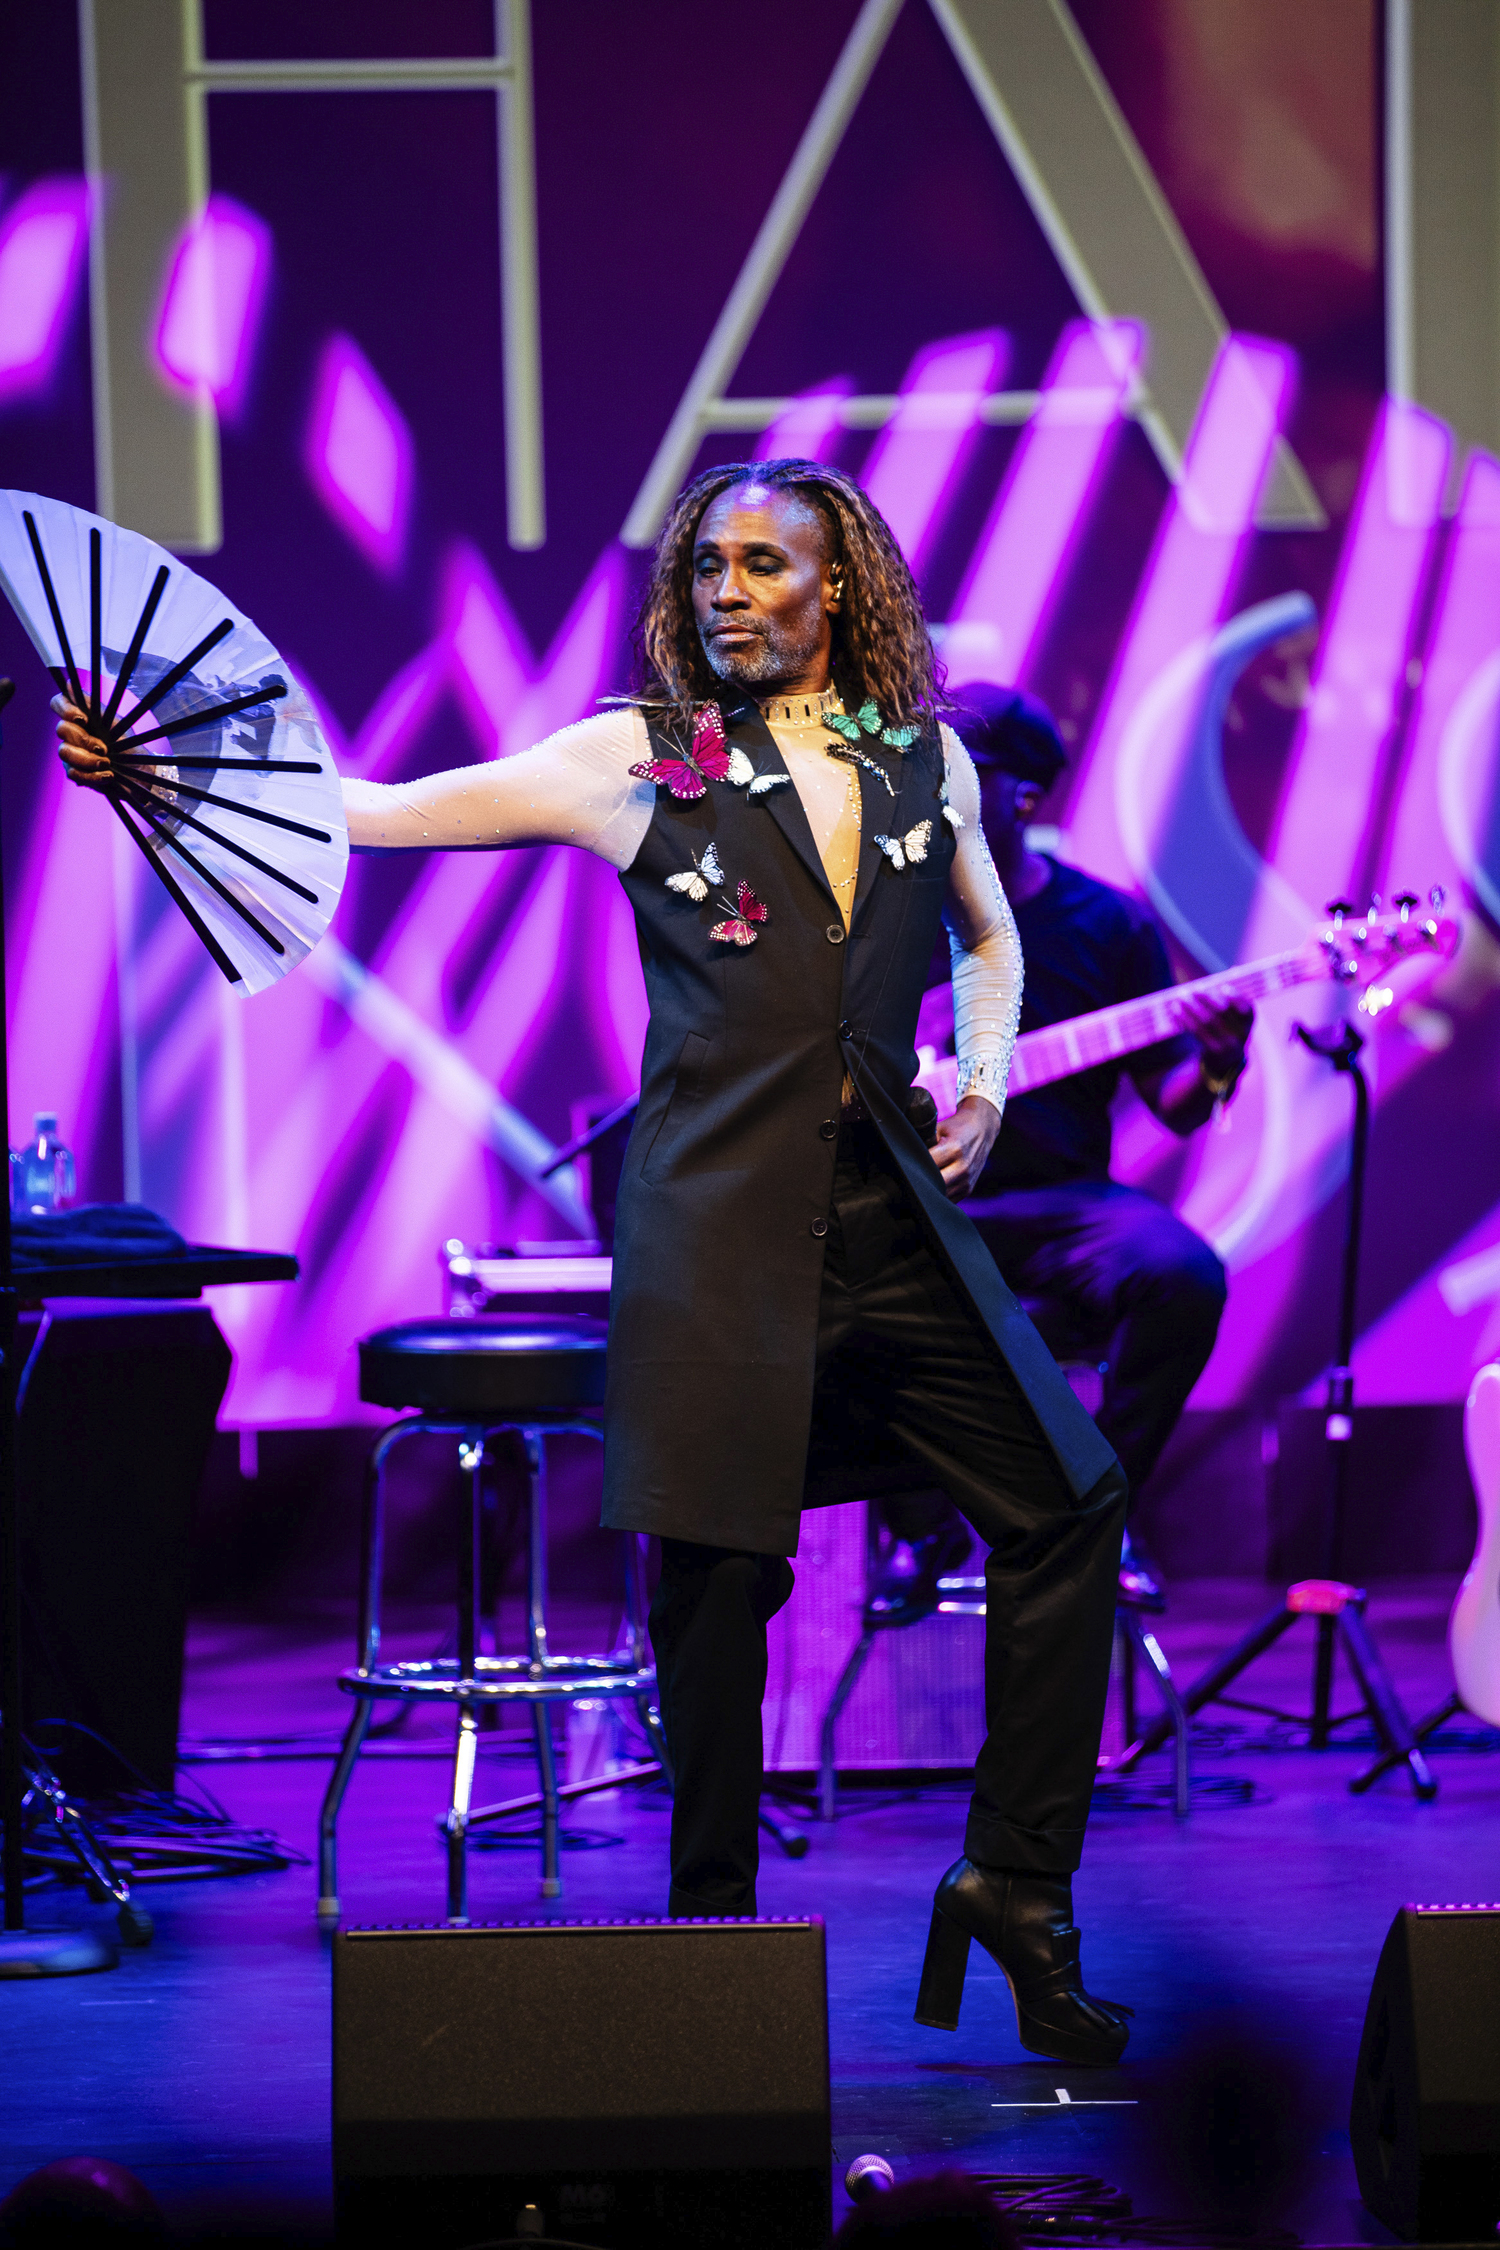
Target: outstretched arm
x=986 y=986
x=574 y=788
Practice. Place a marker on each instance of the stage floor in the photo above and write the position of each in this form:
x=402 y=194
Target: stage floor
x=1245 y=1936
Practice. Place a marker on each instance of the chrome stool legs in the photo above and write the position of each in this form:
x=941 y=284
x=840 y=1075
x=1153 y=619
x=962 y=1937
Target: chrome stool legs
x=472 y=1679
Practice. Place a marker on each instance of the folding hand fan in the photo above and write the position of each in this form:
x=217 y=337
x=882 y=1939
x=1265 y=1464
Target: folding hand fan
x=242 y=816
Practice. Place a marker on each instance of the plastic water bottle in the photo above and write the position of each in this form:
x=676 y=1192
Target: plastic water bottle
x=41 y=1174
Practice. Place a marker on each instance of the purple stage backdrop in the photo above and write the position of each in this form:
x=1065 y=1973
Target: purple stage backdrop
x=1260 y=718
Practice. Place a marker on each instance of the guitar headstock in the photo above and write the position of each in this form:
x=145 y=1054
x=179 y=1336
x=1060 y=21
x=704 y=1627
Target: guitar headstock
x=1355 y=948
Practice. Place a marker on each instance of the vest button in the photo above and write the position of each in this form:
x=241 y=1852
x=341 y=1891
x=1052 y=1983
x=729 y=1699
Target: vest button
x=829 y=1129
x=820 y=1228
x=835 y=933
x=844 y=1028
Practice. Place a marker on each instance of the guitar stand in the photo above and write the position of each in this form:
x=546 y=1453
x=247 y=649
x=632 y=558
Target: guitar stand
x=1340 y=1614
x=1338 y=1608
x=1423 y=1731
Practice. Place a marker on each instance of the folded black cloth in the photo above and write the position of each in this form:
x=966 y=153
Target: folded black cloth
x=95 y=1234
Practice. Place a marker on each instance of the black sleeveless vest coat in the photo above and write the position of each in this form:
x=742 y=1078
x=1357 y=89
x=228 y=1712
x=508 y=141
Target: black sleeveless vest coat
x=724 y=1197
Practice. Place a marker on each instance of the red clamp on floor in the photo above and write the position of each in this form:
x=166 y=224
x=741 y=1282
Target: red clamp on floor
x=1323 y=1597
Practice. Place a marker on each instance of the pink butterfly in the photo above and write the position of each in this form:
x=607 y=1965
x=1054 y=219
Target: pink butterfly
x=709 y=741
x=709 y=757
x=739 y=929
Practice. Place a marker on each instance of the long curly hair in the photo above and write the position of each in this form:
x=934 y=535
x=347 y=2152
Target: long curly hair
x=882 y=652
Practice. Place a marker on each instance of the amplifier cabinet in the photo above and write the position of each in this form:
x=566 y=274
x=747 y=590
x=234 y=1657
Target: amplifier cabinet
x=661 y=2083
x=1425 y=2118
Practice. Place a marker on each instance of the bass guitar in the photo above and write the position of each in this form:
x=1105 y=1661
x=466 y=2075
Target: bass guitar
x=1351 y=949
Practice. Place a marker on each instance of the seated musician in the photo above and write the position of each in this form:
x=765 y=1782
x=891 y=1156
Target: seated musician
x=1105 y=1260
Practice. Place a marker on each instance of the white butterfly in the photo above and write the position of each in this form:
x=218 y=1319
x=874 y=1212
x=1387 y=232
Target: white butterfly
x=912 y=846
x=954 y=819
x=764 y=783
x=695 y=880
x=740 y=770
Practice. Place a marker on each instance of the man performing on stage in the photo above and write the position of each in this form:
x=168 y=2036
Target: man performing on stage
x=790 y=822
x=1110 y=1264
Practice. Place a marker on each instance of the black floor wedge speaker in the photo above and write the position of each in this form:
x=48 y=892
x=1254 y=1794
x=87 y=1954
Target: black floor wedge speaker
x=659 y=2084
x=1425 y=2120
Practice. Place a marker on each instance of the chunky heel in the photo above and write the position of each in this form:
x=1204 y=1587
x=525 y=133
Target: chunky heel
x=1025 y=1923
x=942 y=1989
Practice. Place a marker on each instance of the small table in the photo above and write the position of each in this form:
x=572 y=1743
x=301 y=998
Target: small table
x=198 y=1267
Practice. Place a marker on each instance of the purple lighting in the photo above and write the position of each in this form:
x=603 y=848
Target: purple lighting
x=1025 y=548
x=918 y=461
x=809 y=429
x=1445 y=816
x=1190 y=577
x=359 y=454
x=205 y=339
x=1333 y=774
x=42 y=241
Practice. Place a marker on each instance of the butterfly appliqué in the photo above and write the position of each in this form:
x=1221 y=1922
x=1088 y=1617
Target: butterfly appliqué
x=912 y=847
x=694 y=881
x=954 y=819
x=858 y=758
x=708 y=760
x=867 y=720
x=741 y=928
x=742 y=775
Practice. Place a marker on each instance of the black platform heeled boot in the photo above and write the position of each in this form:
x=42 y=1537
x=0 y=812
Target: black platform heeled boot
x=1025 y=1923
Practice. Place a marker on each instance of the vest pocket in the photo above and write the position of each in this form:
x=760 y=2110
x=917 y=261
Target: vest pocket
x=687 y=1086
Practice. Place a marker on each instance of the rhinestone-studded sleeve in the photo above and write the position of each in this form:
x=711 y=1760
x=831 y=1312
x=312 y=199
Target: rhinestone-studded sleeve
x=986 y=949
x=574 y=788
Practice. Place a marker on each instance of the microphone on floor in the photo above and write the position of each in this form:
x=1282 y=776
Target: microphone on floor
x=868 y=2176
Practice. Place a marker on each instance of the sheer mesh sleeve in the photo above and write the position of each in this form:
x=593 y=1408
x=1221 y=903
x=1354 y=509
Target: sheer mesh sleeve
x=985 y=947
x=574 y=788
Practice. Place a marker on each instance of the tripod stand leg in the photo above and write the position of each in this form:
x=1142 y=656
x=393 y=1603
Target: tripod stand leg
x=1383 y=1704
x=1211 y=1684
x=1318 y=1731
x=1389 y=1758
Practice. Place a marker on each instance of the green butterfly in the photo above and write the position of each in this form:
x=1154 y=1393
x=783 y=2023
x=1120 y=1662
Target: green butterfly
x=868 y=721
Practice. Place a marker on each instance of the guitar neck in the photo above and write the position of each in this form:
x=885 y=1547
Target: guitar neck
x=1059 y=1050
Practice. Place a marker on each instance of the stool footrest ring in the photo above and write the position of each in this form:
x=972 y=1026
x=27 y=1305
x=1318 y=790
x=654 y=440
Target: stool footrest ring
x=500 y=1679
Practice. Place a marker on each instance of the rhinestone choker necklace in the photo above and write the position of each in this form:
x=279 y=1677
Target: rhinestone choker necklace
x=802 y=710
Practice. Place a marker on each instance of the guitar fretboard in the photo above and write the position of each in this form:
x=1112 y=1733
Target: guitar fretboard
x=1058 y=1050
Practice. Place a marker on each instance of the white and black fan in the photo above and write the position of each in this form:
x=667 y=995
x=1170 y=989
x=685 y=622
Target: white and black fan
x=253 y=846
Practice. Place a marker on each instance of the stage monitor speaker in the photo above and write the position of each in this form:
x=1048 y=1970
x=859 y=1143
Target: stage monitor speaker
x=1425 y=2120
x=660 y=2084
x=116 y=1417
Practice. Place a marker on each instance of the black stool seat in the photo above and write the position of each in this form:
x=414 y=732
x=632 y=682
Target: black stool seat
x=498 y=1365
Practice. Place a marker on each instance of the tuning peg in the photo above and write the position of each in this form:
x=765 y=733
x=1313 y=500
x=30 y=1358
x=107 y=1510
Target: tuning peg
x=1338 y=908
x=1437 y=895
x=1405 y=900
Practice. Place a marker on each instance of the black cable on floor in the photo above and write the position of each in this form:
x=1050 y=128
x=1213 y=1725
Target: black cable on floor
x=152 y=1835
x=1073 y=2208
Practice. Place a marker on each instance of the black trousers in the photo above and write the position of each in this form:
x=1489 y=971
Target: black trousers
x=901 y=1357
x=1119 y=1265
x=1116 y=1267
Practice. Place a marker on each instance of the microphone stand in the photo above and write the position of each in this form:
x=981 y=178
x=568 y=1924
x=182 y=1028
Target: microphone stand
x=1338 y=1608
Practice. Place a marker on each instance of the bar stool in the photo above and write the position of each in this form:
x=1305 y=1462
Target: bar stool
x=1080 y=1352
x=537 y=1376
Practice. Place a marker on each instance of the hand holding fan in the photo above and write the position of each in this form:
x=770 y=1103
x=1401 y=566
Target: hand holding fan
x=240 y=812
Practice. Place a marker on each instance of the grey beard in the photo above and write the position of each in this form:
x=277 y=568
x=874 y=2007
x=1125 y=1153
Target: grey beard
x=766 y=664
